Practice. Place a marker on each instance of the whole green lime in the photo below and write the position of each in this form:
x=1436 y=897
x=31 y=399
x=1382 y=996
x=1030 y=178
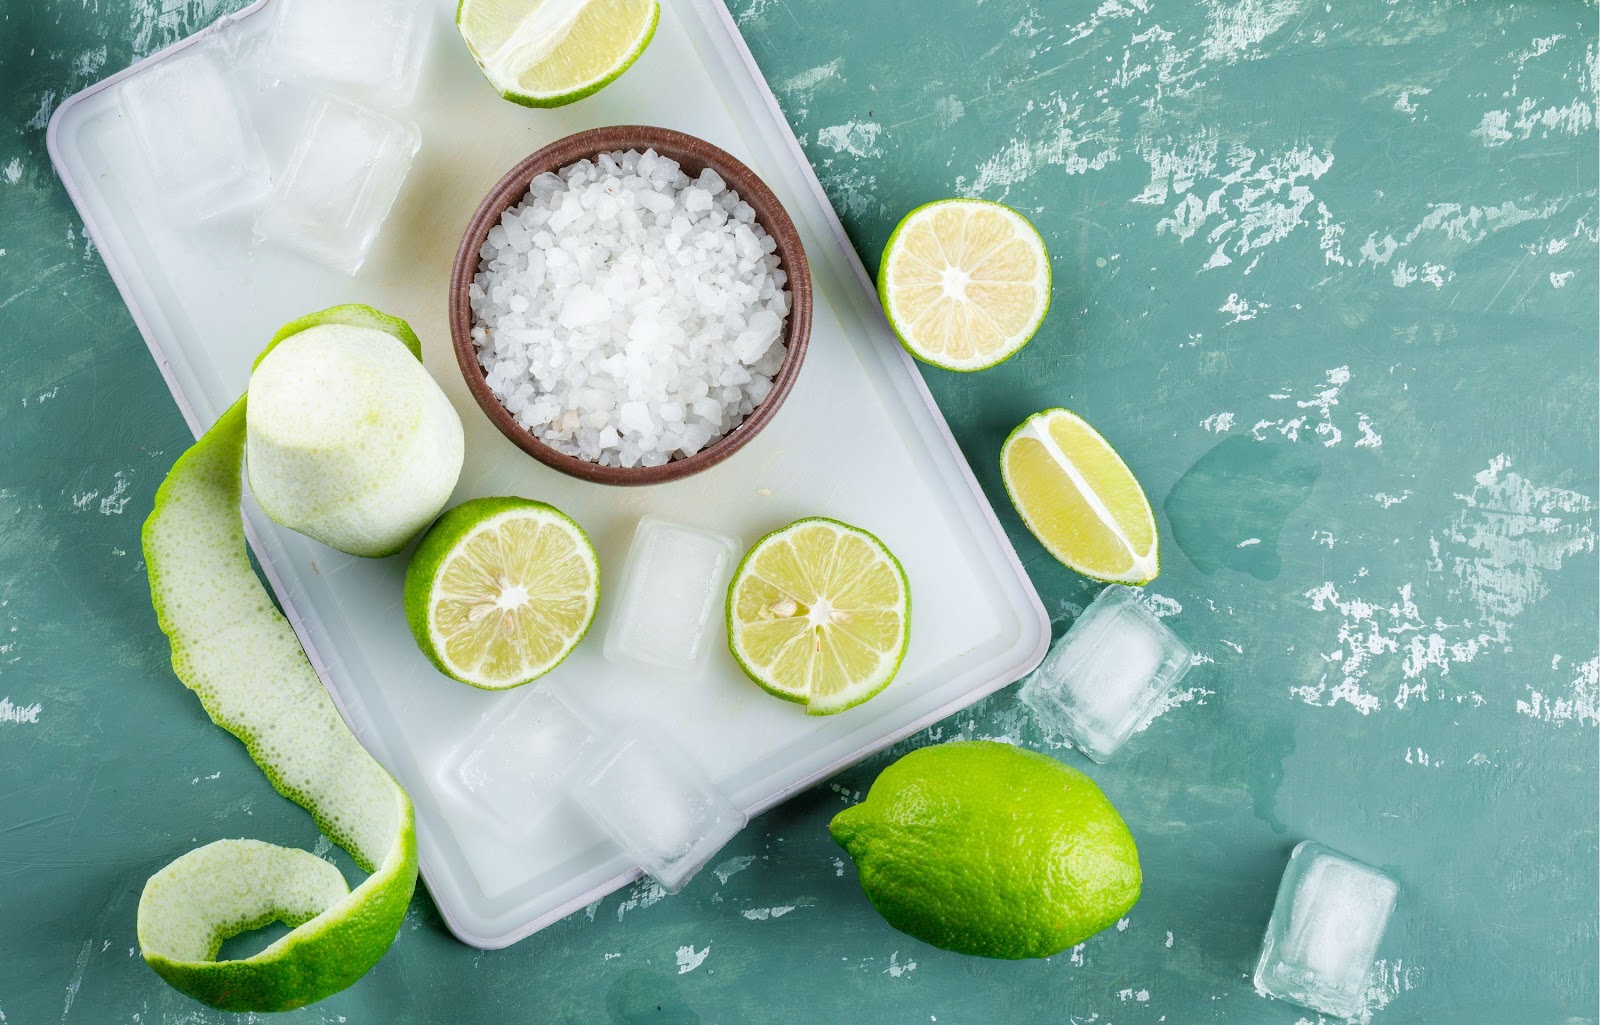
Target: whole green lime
x=984 y=848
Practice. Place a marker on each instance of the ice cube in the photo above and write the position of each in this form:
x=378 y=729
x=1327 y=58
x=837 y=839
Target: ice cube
x=1107 y=673
x=196 y=135
x=653 y=800
x=519 y=762
x=675 y=580
x=375 y=47
x=1326 y=925
x=332 y=199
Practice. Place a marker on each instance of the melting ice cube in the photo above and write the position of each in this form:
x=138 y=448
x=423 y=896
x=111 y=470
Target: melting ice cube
x=1326 y=925
x=653 y=800
x=520 y=761
x=373 y=46
x=347 y=169
x=675 y=582
x=195 y=132
x=1107 y=673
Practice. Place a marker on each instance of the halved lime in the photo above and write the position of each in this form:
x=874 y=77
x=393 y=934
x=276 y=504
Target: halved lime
x=548 y=53
x=964 y=282
x=820 y=613
x=501 y=590
x=1080 y=499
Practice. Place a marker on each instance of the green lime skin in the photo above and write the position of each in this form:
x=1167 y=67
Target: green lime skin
x=988 y=849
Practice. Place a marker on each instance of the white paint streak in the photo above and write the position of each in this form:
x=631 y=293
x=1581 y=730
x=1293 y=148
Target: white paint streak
x=75 y=980
x=1236 y=28
x=857 y=138
x=806 y=82
x=1068 y=139
x=1175 y=699
x=689 y=958
x=13 y=171
x=643 y=895
x=1386 y=981
x=1248 y=200
x=1218 y=423
x=732 y=867
x=1581 y=703
x=1375 y=633
x=762 y=914
x=897 y=967
x=1241 y=308
x=17 y=714
x=41 y=117
x=1160 y=605
x=1509 y=533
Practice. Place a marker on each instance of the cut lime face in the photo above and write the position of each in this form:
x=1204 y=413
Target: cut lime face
x=501 y=590
x=243 y=660
x=820 y=613
x=965 y=283
x=548 y=53
x=1080 y=499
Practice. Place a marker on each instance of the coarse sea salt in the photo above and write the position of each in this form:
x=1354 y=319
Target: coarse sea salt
x=628 y=314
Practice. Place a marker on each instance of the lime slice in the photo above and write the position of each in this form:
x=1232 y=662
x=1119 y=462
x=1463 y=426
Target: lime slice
x=820 y=613
x=965 y=283
x=1080 y=499
x=548 y=53
x=501 y=590
x=241 y=657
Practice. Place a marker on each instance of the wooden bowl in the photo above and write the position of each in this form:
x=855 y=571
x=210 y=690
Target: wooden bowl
x=694 y=155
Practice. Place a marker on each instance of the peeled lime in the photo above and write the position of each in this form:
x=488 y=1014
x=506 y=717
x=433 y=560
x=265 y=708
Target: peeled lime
x=988 y=849
x=349 y=440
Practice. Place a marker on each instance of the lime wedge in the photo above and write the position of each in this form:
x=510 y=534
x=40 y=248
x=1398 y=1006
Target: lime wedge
x=965 y=283
x=242 y=659
x=548 y=53
x=501 y=590
x=820 y=613
x=1080 y=499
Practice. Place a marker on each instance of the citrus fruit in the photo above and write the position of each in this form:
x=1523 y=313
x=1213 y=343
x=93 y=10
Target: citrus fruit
x=964 y=282
x=548 y=53
x=984 y=848
x=240 y=656
x=500 y=590
x=1080 y=499
x=819 y=613
x=348 y=439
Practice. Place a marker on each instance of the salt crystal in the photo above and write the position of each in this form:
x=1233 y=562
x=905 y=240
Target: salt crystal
x=627 y=313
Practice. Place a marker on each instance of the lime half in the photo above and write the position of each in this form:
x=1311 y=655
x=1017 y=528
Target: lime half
x=501 y=590
x=820 y=613
x=965 y=283
x=548 y=53
x=1080 y=499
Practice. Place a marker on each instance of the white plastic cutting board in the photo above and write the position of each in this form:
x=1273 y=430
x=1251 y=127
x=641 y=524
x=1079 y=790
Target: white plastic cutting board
x=859 y=439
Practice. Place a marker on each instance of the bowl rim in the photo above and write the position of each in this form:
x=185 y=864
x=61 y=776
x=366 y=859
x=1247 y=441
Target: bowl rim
x=692 y=152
